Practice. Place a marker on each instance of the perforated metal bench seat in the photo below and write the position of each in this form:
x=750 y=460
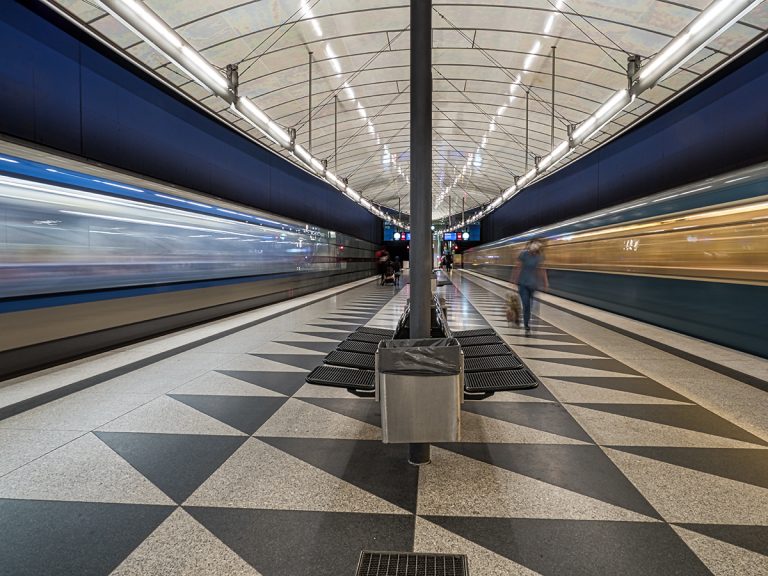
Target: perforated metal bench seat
x=475 y=332
x=342 y=377
x=379 y=331
x=489 y=350
x=367 y=337
x=358 y=346
x=500 y=380
x=479 y=340
x=492 y=363
x=351 y=360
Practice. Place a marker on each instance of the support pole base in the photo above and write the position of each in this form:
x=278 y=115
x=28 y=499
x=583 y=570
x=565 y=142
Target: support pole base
x=419 y=454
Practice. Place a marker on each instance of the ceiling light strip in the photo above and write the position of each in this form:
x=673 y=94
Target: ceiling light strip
x=146 y=24
x=708 y=25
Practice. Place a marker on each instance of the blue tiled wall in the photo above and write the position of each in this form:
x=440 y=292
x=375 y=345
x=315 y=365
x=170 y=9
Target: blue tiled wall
x=61 y=89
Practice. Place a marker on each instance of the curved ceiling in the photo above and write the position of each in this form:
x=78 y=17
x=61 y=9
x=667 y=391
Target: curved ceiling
x=490 y=59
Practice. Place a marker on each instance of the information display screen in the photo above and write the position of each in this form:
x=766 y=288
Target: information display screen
x=469 y=233
x=394 y=234
x=449 y=236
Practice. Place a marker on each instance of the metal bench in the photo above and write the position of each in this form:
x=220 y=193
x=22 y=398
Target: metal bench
x=475 y=332
x=499 y=381
x=343 y=378
x=358 y=346
x=351 y=360
x=492 y=363
x=466 y=341
x=378 y=331
x=367 y=337
x=487 y=350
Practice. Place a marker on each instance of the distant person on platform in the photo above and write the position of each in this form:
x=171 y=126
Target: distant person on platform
x=398 y=270
x=449 y=262
x=530 y=276
x=382 y=256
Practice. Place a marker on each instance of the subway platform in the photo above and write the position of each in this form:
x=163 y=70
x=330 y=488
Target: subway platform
x=204 y=452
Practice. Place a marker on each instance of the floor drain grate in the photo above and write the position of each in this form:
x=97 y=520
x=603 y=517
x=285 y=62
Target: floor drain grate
x=410 y=564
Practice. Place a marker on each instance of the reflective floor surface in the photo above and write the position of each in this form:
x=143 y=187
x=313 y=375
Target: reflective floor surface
x=220 y=460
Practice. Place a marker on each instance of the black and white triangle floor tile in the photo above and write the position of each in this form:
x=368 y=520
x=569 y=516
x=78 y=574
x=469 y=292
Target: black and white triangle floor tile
x=248 y=470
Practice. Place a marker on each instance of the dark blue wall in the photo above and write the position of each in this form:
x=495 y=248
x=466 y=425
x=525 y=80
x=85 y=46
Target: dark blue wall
x=721 y=126
x=61 y=89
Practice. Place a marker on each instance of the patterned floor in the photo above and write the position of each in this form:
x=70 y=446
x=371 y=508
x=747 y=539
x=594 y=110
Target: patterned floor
x=220 y=460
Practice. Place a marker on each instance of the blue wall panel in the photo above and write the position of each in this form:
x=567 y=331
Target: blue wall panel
x=61 y=89
x=721 y=126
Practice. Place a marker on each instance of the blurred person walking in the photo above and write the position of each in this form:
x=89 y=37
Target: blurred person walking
x=382 y=257
x=530 y=276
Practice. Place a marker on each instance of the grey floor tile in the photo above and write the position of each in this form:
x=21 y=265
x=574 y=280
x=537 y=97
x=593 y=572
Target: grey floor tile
x=164 y=415
x=84 y=411
x=455 y=485
x=429 y=538
x=381 y=469
x=581 y=548
x=580 y=468
x=722 y=558
x=688 y=417
x=285 y=383
x=260 y=476
x=754 y=538
x=224 y=384
x=68 y=538
x=291 y=543
x=244 y=413
x=84 y=470
x=181 y=546
x=299 y=419
x=742 y=464
x=611 y=429
x=545 y=417
x=302 y=361
x=19 y=447
x=177 y=464
x=683 y=495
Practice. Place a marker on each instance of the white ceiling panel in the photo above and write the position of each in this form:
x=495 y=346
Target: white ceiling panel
x=487 y=54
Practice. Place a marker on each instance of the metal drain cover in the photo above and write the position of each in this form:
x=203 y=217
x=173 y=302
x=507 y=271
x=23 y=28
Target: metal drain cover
x=411 y=564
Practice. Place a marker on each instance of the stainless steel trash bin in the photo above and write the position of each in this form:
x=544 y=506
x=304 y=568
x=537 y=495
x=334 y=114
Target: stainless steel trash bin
x=420 y=384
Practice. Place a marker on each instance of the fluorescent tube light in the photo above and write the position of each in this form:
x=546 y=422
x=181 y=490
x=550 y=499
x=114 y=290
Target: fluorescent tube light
x=302 y=153
x=616 y=103
x=203 y=66
x=584 y=127
x=253 y=110
x=662 y=57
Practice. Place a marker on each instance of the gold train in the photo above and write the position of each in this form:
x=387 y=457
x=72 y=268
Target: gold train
x=725 y=243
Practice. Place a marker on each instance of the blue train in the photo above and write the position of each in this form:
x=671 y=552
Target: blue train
x=90 y=262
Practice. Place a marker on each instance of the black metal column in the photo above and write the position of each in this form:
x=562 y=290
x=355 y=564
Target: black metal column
x=421 y=182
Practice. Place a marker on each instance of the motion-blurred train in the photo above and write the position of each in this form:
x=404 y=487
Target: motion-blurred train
x=87 y=262
x=692 y=259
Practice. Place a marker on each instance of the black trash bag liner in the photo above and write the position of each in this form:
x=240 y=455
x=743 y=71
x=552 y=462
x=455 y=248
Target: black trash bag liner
x=427 y=356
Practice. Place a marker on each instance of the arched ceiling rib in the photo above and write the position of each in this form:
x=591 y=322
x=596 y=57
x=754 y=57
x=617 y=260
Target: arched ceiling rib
x=487 y=55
